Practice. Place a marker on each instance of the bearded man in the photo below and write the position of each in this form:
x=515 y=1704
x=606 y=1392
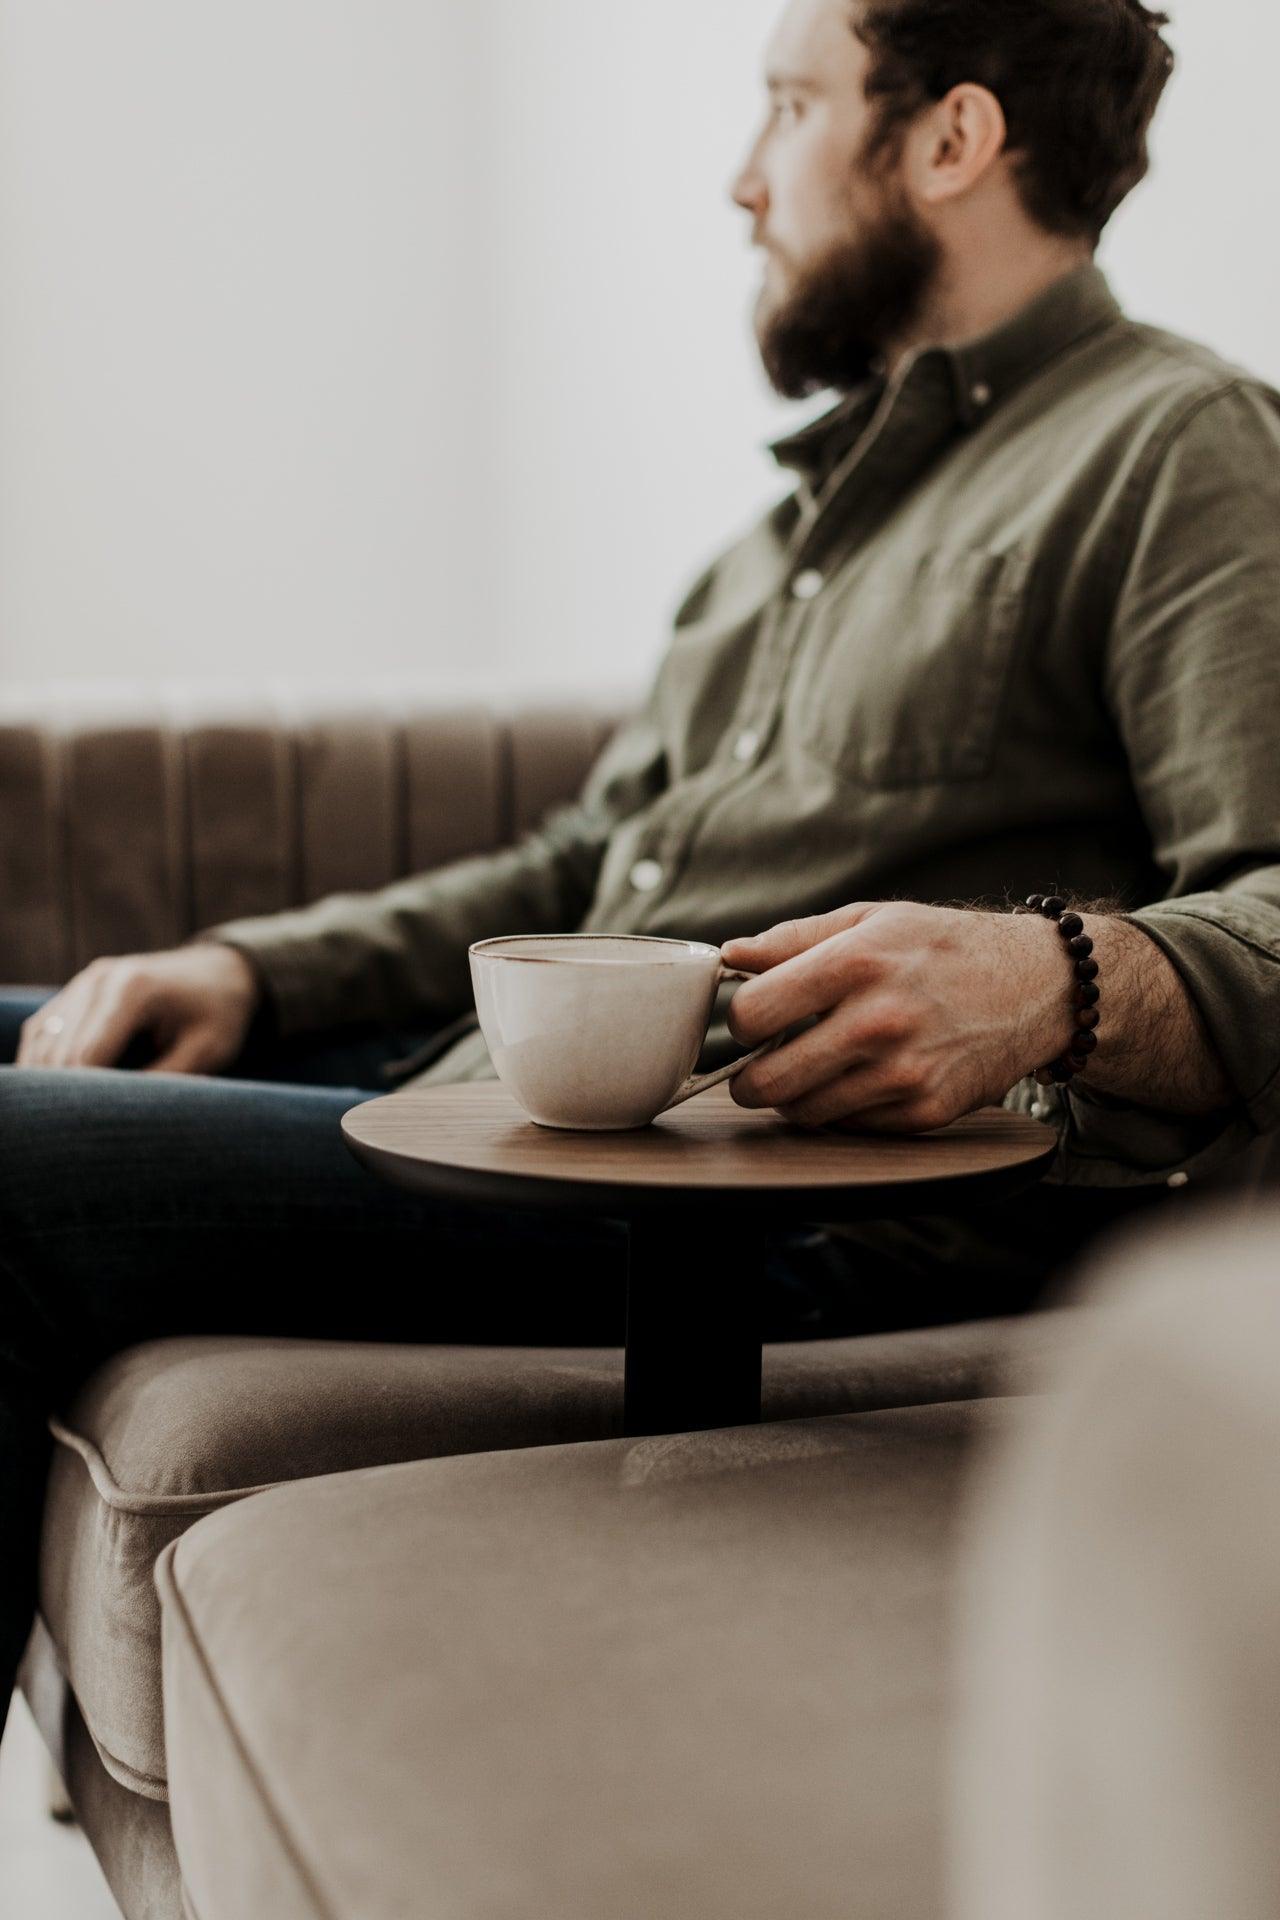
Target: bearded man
x=1015 y=629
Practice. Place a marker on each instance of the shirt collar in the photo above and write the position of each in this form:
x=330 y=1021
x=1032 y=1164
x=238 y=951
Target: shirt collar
x=982 y=371
x=815 y=448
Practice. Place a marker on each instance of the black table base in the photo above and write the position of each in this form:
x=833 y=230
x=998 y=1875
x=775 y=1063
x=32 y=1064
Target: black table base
x=694 y=1325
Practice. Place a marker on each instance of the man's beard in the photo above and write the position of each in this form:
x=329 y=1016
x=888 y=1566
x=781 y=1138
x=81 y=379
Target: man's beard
x=846 y=307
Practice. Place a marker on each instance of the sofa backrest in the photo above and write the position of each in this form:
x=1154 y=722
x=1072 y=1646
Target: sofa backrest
x=128 y=821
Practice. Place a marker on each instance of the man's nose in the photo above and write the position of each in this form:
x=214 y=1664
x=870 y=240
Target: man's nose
x=748 y=190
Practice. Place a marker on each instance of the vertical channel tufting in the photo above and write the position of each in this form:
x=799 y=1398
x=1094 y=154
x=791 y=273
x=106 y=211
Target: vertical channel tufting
x=129 y=831
x=59 y=841
x=289 y=736
x=552 y=749
x=400 y=845
x=454 y=785
x=120 y=870
x=506 y=821
x=177 y=821
x=350 y=802
x=34 y=943
x=241 y=829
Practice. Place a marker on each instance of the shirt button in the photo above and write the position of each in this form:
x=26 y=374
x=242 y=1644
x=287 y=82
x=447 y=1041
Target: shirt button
x=981 y=394
x=807 y=585
x=646 y=875
x=747 y=745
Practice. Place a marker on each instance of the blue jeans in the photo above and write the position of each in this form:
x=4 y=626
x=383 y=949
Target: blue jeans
x=135 y=1205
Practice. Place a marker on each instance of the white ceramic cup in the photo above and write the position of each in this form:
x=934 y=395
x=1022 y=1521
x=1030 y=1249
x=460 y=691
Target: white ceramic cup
x=599 y=1032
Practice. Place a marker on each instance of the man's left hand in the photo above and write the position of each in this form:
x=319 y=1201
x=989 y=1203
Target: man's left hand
x=922 y=1013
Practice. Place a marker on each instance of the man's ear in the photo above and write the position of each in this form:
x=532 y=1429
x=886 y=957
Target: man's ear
x=956 y=144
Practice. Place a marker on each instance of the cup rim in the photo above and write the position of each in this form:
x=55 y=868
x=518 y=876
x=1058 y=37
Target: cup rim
x=691 y=949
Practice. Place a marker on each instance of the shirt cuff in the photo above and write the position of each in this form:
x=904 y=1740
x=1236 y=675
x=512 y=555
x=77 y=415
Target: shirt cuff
x=1226 y=949
x=297 y=995
x=1103 y=1142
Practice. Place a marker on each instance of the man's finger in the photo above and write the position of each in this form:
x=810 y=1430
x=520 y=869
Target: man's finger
x=790 y=937
x=811 y=983
x=40 y=1047
x=866 y=1096
x=105 y=1031
x=889 y=1116
x=188 y=1054
x=30 y=1037
x=852 y=1035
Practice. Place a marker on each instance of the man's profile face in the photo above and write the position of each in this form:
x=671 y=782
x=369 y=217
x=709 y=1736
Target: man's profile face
x=848 y=261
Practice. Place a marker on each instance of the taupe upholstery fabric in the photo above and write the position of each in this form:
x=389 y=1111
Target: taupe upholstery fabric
x=130 y=1835
x=701 y=1675
x=131 y=820
x=1120 y=1750
x=167 y=1432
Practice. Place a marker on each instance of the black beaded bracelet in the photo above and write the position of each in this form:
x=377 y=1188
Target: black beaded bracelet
x=1085 y=997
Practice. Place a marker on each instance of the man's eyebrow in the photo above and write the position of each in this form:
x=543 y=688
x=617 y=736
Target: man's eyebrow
x=776 y=81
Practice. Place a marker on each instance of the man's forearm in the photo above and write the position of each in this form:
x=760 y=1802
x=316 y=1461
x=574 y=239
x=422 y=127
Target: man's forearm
x=1153 y=1050
x=400 y=953
x=925 y=1013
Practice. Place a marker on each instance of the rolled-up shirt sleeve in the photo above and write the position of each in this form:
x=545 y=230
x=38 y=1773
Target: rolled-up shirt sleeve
x=1193 y=684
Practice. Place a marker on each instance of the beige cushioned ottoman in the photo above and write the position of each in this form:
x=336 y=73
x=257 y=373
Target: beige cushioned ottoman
x=702 y=1675
x=171 y=1431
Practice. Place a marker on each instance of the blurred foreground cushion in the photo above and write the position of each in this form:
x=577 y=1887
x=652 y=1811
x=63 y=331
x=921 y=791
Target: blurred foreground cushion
x=703 y=1675
x=1120 y=1748
x=170 y=1431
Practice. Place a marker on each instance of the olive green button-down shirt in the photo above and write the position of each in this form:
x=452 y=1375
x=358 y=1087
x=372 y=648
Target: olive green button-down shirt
x=1017 y=626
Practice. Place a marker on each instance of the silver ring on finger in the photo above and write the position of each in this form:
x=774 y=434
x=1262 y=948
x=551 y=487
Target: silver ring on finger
x=54 y=1024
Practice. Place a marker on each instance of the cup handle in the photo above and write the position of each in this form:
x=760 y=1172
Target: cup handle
x=699 y=1082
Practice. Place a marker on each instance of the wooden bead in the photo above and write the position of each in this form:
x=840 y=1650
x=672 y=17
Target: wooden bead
x=1085 y=994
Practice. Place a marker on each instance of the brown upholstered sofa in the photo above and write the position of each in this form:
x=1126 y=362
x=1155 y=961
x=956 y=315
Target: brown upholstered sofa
x=126 y=824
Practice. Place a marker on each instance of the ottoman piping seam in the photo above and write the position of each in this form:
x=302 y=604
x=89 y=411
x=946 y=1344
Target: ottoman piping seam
x=114 y=1495
x=171 y=1594
x=111 y=1760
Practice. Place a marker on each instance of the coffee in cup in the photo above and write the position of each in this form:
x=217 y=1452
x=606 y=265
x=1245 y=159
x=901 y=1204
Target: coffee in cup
x=599 y=1032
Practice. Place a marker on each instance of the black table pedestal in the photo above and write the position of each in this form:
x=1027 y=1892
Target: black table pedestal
x=694 y=1327
x=704 y=1194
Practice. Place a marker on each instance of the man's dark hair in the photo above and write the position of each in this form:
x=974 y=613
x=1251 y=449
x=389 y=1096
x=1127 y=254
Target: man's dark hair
x=1079 y=82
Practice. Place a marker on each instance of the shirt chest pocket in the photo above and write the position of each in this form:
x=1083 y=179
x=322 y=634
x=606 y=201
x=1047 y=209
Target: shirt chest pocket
x=899 y=682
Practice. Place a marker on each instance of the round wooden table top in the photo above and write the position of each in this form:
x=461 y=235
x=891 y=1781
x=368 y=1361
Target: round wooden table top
x=473 y=1142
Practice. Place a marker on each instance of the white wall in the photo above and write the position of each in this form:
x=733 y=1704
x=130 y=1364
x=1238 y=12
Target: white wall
x=236 y=361
x=374 y=337
x=1194 y=248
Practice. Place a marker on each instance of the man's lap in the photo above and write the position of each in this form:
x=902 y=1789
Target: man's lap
x=350 y=1058
x=141 y=1204
x=137 y=1204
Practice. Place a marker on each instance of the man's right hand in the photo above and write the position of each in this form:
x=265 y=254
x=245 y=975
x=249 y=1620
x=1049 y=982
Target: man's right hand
x=196 y=1003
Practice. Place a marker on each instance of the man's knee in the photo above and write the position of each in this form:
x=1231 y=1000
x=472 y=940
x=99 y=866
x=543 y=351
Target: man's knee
x=50 y=1118
x=51 y=1180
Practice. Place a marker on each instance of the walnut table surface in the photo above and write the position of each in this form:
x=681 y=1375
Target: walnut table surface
x=697 y=1190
